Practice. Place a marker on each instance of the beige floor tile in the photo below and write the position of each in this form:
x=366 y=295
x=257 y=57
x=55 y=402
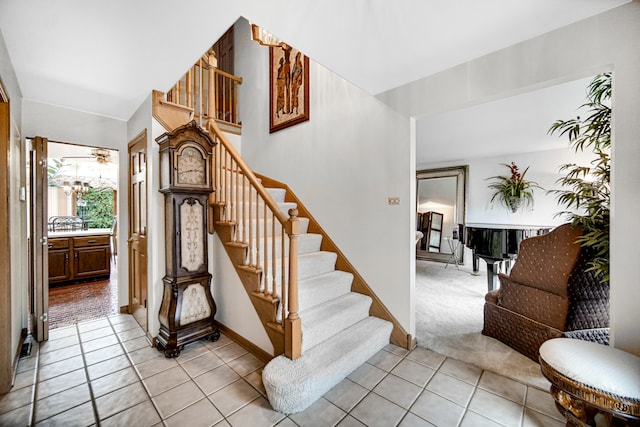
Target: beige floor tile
x=136 y=344
x=16 y=417
x=246 y=364
x=108 y=366
x=163 y=381
x=55 y=334
x=200 y=414
x=114 y=381
x=120 y=400
x=96 y=333
x=15 y=399
x=201 y=364
x=346 y=394
x=503 y=386
x=230 y=352
x=451 y=388
x=144 y=354
x=412 y=420
x=93 y=324
x=119 y=318
x=50 y=346
x=392 y=348
x=193 y=350
x=375 y=411
x=124 y=325
x=384 y=360
x=472 y=419
x=24 y=379
x=496 y=408
x=536 y=419
x=543 y=402
x=178 y=398
x=348 y=421
x=222 y=423
x=153 y=366
x=437 y=410
x=60 y=354
x=58 y=368
x=141 y=415
x=255 y=379
x=257 y=413
x=216 y=379
x=221 y=342
x=131 y=334
x=99 y=343
x=368 y=376
x=103 y=354
x=321 y=412
x=27 y=363
x=399 y=391
x=461 y=370
x=60 y=402
x=80 y=416
x=426 y=357
x=233 y=397
x=414 y=372
x=60 y=383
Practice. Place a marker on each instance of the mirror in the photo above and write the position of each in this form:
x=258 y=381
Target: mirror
x=440 y=213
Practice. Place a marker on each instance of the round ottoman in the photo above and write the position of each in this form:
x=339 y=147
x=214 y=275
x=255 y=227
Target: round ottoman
x=587 y=378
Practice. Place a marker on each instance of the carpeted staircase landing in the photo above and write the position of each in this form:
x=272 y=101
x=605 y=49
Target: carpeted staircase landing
x=338 y=335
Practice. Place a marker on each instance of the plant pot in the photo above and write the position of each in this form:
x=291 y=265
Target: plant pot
x=514 y=203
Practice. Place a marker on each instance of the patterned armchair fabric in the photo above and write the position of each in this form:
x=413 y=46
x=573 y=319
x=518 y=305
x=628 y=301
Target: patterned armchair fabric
x=548 y=294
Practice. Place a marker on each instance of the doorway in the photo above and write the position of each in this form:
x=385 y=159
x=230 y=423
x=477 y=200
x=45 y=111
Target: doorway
x=81 y=220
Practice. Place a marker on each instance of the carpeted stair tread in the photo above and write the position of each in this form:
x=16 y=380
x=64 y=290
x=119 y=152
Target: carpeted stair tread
x=325 y=287
x=277 y=194
x=325 y=320
x=307 y=243
x=293 y=385
x=316 y=263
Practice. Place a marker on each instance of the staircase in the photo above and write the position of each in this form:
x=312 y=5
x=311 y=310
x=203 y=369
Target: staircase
x=338 y=335
x=320 y=315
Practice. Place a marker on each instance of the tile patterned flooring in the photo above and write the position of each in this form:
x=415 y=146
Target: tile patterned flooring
x=103 y=372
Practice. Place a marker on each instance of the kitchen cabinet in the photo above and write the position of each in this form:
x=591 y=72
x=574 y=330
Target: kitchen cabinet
x=79 y=257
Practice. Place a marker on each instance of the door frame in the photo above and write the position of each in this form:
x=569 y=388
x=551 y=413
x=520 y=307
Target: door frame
x=5 y=247
x=141 y=137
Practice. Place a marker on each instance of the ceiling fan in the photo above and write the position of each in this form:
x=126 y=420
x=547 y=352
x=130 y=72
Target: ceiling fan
x=102 y=156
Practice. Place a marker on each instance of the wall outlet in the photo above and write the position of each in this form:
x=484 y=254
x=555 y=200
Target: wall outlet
x=394 y=200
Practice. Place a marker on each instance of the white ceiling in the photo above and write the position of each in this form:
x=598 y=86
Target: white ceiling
x=106 y=57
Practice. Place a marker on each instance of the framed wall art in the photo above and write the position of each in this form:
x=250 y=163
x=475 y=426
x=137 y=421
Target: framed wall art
x=288 y=87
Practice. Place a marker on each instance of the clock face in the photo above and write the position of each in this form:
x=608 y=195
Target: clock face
x=191 y=167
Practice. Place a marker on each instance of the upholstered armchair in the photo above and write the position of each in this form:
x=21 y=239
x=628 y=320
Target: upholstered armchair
x=548 y=294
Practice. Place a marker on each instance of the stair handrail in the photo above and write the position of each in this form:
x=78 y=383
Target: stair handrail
x=291 y=322
x=198 y=89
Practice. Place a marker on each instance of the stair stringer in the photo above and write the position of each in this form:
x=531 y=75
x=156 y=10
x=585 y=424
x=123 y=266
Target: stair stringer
x=265 y=305
x=399 y=336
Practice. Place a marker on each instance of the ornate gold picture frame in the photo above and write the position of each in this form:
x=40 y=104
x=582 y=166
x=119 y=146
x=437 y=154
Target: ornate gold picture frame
x=288 y=87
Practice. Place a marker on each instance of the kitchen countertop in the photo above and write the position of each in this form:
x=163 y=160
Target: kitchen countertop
x=80 y=233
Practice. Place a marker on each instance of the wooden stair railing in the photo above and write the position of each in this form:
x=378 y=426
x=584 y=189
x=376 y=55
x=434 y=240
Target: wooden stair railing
x=255 y=231
x=203 y=93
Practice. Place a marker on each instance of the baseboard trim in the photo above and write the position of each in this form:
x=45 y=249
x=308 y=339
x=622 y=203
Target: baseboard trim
x=124 y=309
x=412 y=342
x=16 y=357
x=245 y=343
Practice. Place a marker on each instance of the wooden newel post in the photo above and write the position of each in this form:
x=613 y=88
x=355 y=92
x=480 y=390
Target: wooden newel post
x=212 y=98
x=293 y=324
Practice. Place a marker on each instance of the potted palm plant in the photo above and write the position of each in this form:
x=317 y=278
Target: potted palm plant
x=513 y=191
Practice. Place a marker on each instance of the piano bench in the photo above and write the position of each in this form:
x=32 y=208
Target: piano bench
x=588 y=378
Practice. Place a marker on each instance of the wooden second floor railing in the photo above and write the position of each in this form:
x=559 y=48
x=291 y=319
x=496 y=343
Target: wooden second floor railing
x=211 y=93
x=269 y=234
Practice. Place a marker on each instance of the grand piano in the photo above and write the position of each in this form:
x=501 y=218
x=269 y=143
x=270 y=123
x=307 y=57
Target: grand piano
x=495 y=243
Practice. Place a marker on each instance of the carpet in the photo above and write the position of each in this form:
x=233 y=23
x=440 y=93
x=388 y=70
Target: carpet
x=449 y=320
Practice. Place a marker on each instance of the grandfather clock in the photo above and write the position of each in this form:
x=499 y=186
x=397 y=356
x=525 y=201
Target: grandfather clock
x=187 y=309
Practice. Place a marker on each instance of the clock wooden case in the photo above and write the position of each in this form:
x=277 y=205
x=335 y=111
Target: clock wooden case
x=187 y=310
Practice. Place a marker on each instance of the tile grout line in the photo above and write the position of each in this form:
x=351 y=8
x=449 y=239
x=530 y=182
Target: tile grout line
x=34 y=391
x=133 y=365
x=94 y=405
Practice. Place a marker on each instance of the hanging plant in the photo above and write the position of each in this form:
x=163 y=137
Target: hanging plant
x=513 y=191
x=586 y=196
